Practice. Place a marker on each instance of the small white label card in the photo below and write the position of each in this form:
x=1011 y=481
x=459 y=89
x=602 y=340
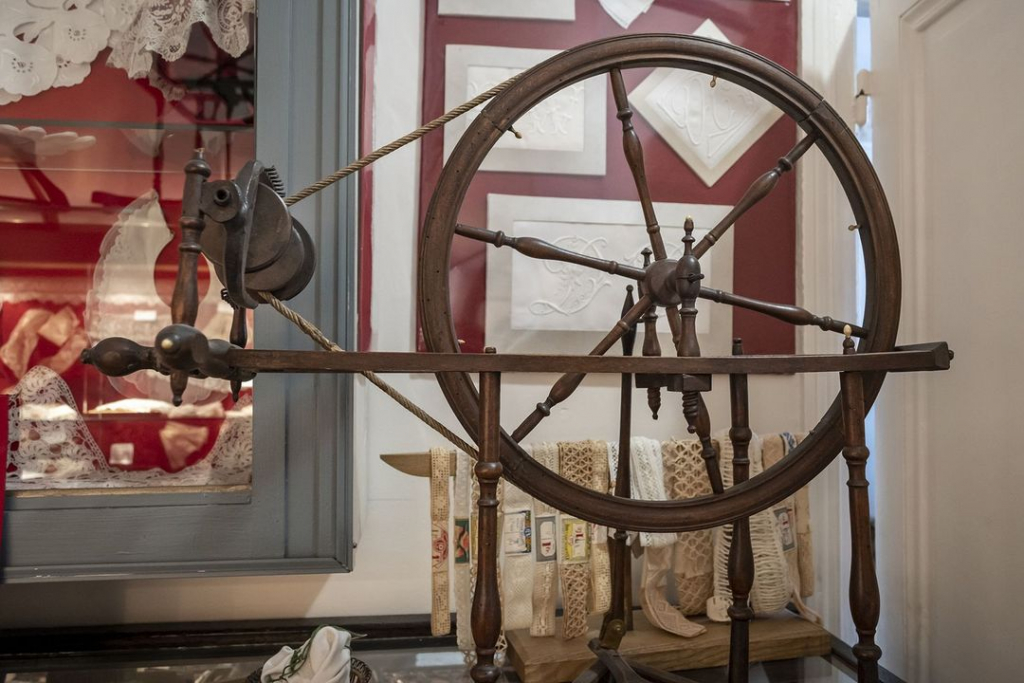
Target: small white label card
x=547 y=539
x=575 y=540
x=564 y=133
x=517 y=533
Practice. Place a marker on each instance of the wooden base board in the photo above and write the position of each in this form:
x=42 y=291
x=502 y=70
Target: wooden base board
x=552 y=660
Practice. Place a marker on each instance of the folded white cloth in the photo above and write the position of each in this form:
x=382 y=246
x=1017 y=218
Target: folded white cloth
x=324 y=658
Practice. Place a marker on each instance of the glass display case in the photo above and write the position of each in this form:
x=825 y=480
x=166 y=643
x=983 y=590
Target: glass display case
x=106 y=477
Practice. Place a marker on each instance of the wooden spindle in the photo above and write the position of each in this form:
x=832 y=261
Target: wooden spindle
x=741 y=554
x=486 y=614
x=865 y=602
x=185 y=300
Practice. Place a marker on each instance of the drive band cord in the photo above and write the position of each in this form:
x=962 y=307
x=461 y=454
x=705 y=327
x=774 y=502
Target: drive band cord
x=317 y=335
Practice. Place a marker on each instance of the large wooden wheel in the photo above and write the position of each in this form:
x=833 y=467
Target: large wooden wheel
x=823 y=129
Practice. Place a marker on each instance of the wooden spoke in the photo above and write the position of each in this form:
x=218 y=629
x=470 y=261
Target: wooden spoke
x=539 y=249
x=793 y=315
x=702 y=427
x=567 y=383
x=757 y=191
x=635 y=158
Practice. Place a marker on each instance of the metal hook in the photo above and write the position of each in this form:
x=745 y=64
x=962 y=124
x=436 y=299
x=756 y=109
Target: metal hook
x=519 y=136
x=714 y=80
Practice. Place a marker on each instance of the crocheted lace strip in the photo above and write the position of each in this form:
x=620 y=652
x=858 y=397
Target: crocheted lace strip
x=686 y=477
x=653 y=583
x=771 y=590
x=600 y=566
x=517 y=544
x=440 y=473
x=576 y=463
x=648 y=483
x=545 y=569
x=463 y=553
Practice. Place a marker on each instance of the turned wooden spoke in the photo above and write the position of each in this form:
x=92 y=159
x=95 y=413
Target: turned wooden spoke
x=785 y=312
x=567 y=383
x=539 y=249
x=635 y=158
x=757 y=191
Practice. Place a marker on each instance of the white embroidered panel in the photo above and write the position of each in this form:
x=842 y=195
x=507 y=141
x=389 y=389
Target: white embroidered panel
x=565 y=133
x=562 y=10
x=709 y=128
x=625 y=12
x=549 y=295
x=538 y=305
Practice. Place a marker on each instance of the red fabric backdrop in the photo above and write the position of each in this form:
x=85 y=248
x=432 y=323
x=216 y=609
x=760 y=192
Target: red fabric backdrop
x=765 y=240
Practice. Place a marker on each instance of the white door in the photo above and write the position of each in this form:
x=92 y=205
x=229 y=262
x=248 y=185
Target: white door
x=948 y=98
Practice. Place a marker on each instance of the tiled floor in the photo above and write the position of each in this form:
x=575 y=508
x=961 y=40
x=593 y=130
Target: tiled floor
x=390 y=666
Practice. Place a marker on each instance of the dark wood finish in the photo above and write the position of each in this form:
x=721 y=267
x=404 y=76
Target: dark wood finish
x=185 y=300
x=707 y=447
x=911 y=358
x=830 y=135
x=634 y=152
x=486 y=615
x=741 y=554
x=568 y=383
x=539 y=249
x=794 y=315
x=618 y=552
x=652 y=347
x=865 y=602
x=757 y=191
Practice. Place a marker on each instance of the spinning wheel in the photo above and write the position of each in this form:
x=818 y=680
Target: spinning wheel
x=262 y=254
x=664 y=284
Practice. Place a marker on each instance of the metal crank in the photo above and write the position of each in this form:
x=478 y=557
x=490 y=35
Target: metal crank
x=242 y=227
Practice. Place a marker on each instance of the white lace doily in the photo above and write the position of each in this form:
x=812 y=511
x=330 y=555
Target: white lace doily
x=52 y=43
x=50 y=446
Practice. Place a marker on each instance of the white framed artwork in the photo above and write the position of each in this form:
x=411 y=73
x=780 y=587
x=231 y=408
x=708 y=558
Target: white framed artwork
x=556 y=10
x=563 y=134
x=552 y=307
x=710 y=128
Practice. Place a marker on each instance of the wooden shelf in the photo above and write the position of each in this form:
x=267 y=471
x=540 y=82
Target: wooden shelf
x=552 y=660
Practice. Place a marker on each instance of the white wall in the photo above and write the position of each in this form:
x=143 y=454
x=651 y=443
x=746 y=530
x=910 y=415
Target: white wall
x=392 y=566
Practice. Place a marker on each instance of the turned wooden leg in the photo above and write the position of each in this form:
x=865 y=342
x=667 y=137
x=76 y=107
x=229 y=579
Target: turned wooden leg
x=864 y=598
x=486 y=603
x=741 y=555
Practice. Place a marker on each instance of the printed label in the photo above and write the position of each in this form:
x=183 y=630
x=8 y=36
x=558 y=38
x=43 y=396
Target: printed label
x=785 y=522
x=463 y=541
x=575 y=540
x=517 y=534
x=547 y=539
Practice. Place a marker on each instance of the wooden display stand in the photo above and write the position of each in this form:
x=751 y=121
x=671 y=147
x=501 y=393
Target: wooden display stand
x=552 y=660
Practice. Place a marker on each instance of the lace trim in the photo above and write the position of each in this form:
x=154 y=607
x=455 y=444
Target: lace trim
x=771 y=590
x=517 y=535
x=440 y=473
x=463 y=553
x=686 y=477
x=545 y=571
x=648 y=483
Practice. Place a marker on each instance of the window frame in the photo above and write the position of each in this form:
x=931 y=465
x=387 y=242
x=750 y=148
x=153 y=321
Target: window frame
x=297 y=517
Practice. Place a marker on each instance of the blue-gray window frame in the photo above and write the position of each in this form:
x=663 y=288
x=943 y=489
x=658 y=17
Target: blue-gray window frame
x=297 y=516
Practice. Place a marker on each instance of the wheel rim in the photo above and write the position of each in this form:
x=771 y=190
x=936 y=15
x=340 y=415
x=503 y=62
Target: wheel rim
x=844 y=154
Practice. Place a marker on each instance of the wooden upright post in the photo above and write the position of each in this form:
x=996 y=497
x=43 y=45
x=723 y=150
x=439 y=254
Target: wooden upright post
x=864 y=598
x=486 y=603
x=741 y=554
